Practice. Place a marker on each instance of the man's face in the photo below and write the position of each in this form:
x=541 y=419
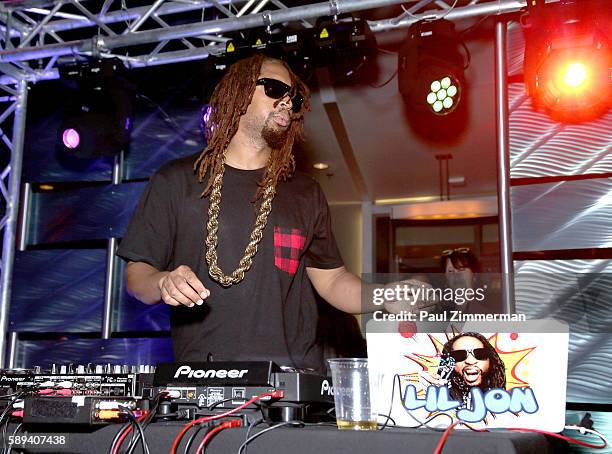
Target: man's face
x=471 y=369
x=262 y=118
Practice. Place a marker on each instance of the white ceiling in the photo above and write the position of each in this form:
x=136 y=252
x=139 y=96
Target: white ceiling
x=393 y=160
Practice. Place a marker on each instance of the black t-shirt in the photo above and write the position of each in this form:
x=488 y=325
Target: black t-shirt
x=271 y=314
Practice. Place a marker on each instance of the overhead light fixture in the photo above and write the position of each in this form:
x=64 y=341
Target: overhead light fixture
x=344 y=43
x=431 y=68
x=98 y=114
x=297 y=49
x=321 y=166
x=71 y=138
x=568 y=60
x=443 y=95
x=448 y=209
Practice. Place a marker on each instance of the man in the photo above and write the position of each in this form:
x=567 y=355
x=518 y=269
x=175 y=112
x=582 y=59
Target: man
x=477 y=364
x=233 y=239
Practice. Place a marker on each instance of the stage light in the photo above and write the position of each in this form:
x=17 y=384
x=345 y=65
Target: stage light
x=575 y=75
x=343 y=43
x=443 y=95
x=206 y=128
x=431 y=68
x=71 y=138
x=568 y=59
x=97 y=115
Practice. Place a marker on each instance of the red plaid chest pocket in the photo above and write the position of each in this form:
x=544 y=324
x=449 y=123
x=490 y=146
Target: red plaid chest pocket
x=288 y=245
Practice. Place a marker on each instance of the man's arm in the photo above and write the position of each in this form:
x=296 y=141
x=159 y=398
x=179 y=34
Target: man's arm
x=342 y=289
x=179 y=287
x=141 y=280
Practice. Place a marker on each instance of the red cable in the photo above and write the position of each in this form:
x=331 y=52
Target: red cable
x=177 y=440
x=518 y=429
x=445 y=435
x=125 y=434
x=209 y=435
x=562 y=437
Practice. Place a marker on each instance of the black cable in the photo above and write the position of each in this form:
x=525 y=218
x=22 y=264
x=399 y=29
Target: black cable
x=118 y=435
x=468 y=55
x=388 y=415
x=140 y=429
x=388 y=418
x=397 y=379
x=328 y=424
x=386 y=81
x=195 y=433
x=251 y=427
x=9 y=396
x=473 y=26
x=5 y=425
x=219 y=402
x=7 y=413
x=258 y=434
x=10 y=446
x=147 y=420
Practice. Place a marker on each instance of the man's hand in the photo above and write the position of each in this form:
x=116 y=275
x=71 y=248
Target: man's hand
x=182 y=287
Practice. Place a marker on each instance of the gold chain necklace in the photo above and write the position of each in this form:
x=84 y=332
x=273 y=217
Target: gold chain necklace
x=212 y=228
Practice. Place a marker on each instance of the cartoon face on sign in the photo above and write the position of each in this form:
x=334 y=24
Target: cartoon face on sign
x=476 y=364
x=489 y=375
x=469 y=375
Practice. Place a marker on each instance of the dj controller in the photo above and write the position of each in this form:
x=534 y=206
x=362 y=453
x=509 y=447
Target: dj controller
x=101 y=394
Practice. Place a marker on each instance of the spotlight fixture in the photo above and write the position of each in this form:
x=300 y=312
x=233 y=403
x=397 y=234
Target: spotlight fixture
x=344 y=43
x=443 y=95
x=71 y=138
x=431 y=68
x=97 y=117
x=568 y=59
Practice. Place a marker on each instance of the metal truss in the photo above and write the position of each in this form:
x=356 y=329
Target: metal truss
x=35 y=35
x=13 y=102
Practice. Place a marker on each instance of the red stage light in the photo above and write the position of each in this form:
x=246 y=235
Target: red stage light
x=568 y=60
x=573 y=82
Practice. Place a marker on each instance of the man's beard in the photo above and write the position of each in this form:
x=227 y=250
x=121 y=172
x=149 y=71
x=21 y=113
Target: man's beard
x=275 y=137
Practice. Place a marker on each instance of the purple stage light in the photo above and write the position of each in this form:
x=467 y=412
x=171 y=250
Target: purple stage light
x=204 y=118
x=71 y=138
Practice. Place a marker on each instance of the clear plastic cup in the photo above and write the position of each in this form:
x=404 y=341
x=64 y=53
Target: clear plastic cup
x=352 y=393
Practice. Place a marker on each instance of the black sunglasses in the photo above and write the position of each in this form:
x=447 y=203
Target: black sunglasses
x=480 y=354
x=276 y=89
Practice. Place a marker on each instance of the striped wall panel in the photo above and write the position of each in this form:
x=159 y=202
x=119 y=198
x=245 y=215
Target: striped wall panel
x=131 y=315
x=579 y=292
x=92 y=213
x=132 y=351
x=562 y=215
x=58 y=291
